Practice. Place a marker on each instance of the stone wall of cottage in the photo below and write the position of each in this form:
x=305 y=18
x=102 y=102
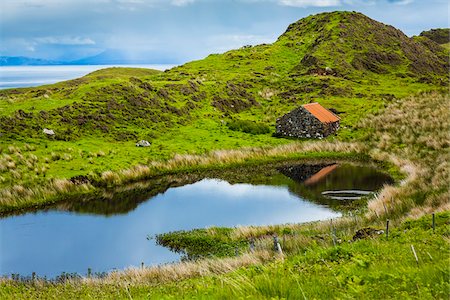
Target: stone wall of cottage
x=301 y=123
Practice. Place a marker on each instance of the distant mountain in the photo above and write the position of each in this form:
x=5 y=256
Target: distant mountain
x=26 y=61
x=117 y=57
x=107 y=57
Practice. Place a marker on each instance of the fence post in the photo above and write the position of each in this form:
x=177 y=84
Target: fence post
x=333 y=233
x=252 y=245
x=276 y=245
x=415 y=255
x=434 y=223
x=387 y=229
x=279 y=250
x=142 y=265
x=33 y=276
x=385 y=209
x=89 y=272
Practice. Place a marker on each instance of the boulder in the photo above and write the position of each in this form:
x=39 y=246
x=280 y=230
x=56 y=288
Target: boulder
x=143 y=143
x=48 y=131
x=367 y=232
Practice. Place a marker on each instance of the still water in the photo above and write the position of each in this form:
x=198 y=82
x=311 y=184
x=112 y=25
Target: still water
x=28 y=76
x=72 y=240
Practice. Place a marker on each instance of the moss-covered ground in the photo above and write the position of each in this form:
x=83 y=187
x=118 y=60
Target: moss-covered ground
x=226 y=102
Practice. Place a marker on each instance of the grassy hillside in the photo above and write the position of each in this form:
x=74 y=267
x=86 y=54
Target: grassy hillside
x=320 y=260
x=439 y=35
x=365 y=70
x=207 y=104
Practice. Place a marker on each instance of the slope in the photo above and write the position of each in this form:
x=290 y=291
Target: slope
x=329 y=58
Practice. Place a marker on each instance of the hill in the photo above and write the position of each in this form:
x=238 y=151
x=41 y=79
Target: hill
x=26 y=61
x=439 y=35
x=390 y=91
x=344 y=60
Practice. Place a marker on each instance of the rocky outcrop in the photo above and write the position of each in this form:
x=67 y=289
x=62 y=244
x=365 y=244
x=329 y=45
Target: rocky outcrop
x=143 y=143
x=48 y=131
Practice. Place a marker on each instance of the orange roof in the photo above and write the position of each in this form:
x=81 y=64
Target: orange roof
x=320 y=175
x=321 y=113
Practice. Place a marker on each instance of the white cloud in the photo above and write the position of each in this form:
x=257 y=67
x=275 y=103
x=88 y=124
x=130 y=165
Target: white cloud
x=402 y=2
x=65 y=40
x=225 y=42
x=182 y=2
x=308 y=3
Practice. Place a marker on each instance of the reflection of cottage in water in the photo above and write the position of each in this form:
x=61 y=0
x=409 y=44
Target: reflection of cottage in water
x=326 y=183
x=308 y=121
x=319 y=176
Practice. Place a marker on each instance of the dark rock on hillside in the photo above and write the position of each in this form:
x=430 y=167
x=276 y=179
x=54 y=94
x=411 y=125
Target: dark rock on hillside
x=367 y=232
x=439 y=35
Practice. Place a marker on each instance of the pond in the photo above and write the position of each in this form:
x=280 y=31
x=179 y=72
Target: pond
x=110 y=232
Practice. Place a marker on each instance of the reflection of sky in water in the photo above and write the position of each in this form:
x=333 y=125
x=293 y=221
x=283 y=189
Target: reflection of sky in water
x=53 y=242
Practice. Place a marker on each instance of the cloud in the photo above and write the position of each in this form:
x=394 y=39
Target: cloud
x=182 y=2
x=309 y=3
x=401 y=2
x=224 y=42
x=65 y=40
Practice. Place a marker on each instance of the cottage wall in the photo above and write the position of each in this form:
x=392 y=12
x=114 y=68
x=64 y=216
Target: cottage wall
x=330 y=128
x=302 y=124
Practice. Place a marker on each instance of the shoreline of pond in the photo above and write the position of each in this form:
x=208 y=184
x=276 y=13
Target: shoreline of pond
x=95 y=187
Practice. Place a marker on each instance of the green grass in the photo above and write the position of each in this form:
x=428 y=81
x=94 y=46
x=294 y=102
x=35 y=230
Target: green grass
x=188 y=111
x=219 y=102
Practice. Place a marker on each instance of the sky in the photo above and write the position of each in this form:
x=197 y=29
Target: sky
x=177 y=31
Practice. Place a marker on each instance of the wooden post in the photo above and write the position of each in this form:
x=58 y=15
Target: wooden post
x=415 y=255
x=33 y=276
x=275 y=243
x=142 y=265
x=434 y=223
x=385 y=209
x=279 y=250
x=333 y=237
x=252 y=245
x=387 y=229
x=89 y=272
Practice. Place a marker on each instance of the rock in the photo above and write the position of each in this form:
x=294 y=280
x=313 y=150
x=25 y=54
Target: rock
x=79 y=180
x=367 y=232
x=48 y=131
x=143 y=143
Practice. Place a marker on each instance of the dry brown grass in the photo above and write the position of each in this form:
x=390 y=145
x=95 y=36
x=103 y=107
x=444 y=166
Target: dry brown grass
x=52 y=189
x=413 y=134
x=224 y=157
x=182 y=270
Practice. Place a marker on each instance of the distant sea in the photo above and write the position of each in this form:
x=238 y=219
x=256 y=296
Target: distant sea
x=28 y=76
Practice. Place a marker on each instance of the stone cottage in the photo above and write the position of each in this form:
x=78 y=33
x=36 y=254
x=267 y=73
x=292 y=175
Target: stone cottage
x=308 y=121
